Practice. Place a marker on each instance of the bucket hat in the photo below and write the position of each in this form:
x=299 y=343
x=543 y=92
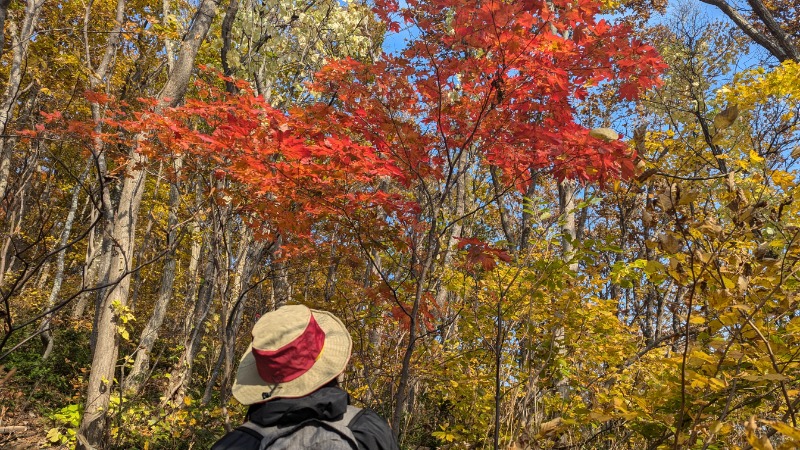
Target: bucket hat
x=295 y=351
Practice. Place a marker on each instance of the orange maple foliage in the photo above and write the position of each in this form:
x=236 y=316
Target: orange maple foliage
x=499 y=79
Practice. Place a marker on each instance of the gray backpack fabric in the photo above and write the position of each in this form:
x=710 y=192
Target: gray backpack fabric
x=310 y=434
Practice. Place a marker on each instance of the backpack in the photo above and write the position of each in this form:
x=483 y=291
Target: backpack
x=309 y=434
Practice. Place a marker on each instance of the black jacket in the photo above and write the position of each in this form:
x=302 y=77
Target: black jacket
x=327 y=403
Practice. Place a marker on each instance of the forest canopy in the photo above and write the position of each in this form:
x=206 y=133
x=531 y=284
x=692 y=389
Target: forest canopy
x=562 y=224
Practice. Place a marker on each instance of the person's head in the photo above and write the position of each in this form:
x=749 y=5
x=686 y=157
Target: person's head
x=295 y=351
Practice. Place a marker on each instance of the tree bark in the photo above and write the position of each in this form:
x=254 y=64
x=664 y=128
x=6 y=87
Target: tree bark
x=97 y=76
x=58 y=279
x=181 y=375
x=778 y=43
x=92 y=432
x=431 y=250
x=141 y=363
x=227 y=26
x=15 y=201
x=566 y=206
x=456 y=231
x=250 y=255
x=90 y=266
x=3 y=15
x=333 y=272
x=281 y=288
x=143 y=252
x=93 y=425
x=20 y=42
x=505 y=221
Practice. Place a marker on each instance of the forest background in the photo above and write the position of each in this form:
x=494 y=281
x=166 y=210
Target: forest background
x=547 y=224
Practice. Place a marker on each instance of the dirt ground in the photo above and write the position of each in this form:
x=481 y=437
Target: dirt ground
x=32 y=437
x=20 y=426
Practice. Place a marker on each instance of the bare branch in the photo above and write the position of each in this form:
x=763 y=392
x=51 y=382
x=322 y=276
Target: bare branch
x=749 y=29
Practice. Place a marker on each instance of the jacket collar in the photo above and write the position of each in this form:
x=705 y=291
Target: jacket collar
x=327 y=403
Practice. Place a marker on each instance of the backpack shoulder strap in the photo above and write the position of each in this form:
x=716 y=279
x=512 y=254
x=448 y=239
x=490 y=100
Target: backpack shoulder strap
x=272 y=433
x=342 y=426
x=349 y=415
x=268 y=434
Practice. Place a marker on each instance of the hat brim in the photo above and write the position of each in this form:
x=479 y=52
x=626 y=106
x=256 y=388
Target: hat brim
x=250 y=388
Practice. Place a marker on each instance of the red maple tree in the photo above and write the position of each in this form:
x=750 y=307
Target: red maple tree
x=498 y=79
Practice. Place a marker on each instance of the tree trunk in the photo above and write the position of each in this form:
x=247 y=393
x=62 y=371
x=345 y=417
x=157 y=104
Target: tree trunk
x=566 y=208
x=456 y=231
x=141 y=364
x=281 y=288
x=182 y=373
x=3 y=15
x=499 y=193
x=333 y=270
x=767 y=34
x=374 y=332
x=58 y=279
x=250 y=254
x=142 y=253
x=16 y=203
x=226 y=287
x=431 y=252
x=90 y=266
x=93 y=428
x=20 y=41
x=527 y=204
x=96 y=79
x=227 y=26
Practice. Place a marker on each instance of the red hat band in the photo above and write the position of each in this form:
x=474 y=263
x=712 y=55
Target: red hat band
x=293 y=359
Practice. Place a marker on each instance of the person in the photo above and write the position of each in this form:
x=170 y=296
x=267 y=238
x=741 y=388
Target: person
x=289 y=377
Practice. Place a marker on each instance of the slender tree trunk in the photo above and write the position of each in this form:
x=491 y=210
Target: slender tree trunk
x=13 y=202
x=141 y=363
x=281 y=288
x=90 y=266
x=499 y=194
x=58 y=279
x=93 y=425
x=16 y=202
x=227 y=26
x=498 y=360
x=250 y=255
x=199 y=242
x=20 y=41
x=193 y=271
x=374 y=332
x=525 y=224
x=181 y=375
x=93 y=428
x=44 y=276
x=566 y=207
x=456 y=231
x=3 y=15
x=431 y=251
x=147 y=242
x=226 y=286
x=255 y=254
x=333 y=269
x=96 y=79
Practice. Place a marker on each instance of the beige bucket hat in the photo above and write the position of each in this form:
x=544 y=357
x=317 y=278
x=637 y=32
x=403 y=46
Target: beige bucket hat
x=295 y=351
